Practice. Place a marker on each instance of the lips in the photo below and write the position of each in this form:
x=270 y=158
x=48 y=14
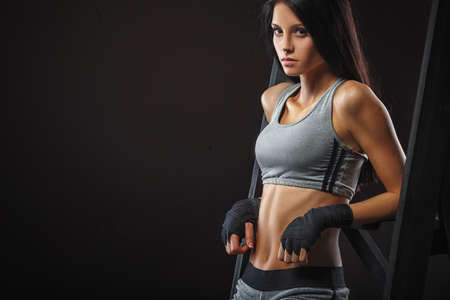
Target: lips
x=288 y=62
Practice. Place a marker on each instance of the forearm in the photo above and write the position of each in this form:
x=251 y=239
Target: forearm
x=381 y=207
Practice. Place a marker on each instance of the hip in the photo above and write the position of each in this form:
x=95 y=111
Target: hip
x=296 y=283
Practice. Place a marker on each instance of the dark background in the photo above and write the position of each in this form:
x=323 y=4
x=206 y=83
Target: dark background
x=130 y=132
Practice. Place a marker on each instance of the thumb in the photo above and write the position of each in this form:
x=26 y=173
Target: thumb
x=250 y=234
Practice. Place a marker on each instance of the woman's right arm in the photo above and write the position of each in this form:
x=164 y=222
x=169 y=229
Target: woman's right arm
x=269 y=99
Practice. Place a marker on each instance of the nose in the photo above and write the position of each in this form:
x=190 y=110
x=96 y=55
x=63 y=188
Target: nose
x=286 y=44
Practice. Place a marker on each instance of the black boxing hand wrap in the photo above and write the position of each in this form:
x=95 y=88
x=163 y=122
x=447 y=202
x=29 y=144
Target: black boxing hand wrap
x=245 y=210
x=304 y=231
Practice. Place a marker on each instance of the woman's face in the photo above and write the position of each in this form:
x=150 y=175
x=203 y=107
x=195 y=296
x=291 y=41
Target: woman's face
x=291 y=40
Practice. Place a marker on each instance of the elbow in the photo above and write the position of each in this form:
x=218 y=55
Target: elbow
x=395 y=203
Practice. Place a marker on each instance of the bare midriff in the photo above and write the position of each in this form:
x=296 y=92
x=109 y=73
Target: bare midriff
x=281 y=204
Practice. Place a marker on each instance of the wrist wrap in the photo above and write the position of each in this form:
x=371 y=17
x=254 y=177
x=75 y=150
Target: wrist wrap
x=304 y=231
x=245 y=210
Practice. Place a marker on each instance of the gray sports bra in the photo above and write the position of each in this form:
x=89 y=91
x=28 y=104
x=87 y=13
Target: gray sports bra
x=308 y=153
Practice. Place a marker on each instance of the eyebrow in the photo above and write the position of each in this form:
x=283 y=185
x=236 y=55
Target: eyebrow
x=295 y=25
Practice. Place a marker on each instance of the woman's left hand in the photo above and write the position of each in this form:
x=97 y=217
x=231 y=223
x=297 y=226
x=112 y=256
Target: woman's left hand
x=299 y=236
x=303 y=232
x=283 y=255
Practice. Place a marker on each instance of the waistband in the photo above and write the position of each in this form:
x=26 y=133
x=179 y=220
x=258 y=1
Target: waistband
x=308 y=276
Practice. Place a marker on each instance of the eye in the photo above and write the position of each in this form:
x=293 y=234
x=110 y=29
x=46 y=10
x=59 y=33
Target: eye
x=301 y=30
x=274 y=30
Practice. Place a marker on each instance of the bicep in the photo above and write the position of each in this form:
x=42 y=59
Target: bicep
x=373 y=129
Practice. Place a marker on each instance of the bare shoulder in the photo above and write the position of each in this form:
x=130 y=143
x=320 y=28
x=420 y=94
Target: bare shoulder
x=270 y=97
x=352 y=98
x=370 y=124
x=367 y=119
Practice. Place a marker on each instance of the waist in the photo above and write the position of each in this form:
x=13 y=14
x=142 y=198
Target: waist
x=279 y=206
x=309 y=276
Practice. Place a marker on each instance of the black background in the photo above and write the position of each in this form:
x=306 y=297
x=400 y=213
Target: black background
x=130 y=132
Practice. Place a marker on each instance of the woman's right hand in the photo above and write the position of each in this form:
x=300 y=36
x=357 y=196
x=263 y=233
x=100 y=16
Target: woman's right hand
x=240 y=221
x=233 y=244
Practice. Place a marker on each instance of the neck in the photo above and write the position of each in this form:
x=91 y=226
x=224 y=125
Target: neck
x=314 y=83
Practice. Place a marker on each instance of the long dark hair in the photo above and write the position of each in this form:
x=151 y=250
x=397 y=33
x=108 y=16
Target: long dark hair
x=332 y=27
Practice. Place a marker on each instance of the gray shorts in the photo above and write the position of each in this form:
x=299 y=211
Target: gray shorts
x=302 y=283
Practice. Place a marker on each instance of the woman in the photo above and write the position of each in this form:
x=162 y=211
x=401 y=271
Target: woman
x=323 y=133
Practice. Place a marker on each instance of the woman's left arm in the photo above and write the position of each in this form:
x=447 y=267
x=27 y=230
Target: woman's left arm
x=371 y=126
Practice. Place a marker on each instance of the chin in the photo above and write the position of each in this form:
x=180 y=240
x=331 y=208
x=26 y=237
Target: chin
x=290 y=72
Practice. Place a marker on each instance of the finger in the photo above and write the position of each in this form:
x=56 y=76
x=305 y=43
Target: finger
x=249 y=234
x=228 y=247
x=303 y=256
x=280 y=255
x=235 y=245
x=287 y=257
x=297 y=245
x=288 y=245
x=294 y=257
